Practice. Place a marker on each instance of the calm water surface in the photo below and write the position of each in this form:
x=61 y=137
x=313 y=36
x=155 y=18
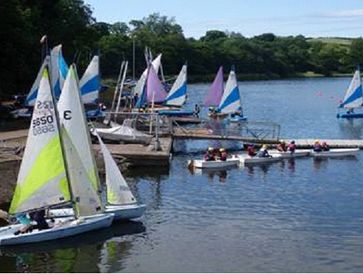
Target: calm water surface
x=299 y=215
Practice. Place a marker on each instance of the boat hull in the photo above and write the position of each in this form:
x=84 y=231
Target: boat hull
x=230 y=162
x=65 y=227
x=121 y=212
x=176 y=113
x=287 y=154
x=350 y=115
x=248 y=160
x=339 y=152
x=237 y=119
x=126 y=212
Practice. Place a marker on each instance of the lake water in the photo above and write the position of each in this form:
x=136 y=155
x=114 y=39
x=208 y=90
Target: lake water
x=299 y=215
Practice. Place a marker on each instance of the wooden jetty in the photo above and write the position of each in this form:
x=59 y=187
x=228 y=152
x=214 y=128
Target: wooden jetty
x=140 y=155
x=134 y=154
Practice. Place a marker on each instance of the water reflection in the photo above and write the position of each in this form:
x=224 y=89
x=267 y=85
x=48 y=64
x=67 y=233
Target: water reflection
x=220 y=174
x=74 y=254
x=351 y=128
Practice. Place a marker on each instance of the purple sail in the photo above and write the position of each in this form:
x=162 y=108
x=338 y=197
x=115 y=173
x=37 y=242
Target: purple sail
x=154 y=88
x=215 y=92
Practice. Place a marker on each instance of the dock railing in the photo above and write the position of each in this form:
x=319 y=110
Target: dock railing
x=150 y=123
x=253 y=131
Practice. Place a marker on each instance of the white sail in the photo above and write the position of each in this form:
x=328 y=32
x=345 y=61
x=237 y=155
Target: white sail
x=59 y=70
x=353 y=96
x=32 y=95
x=90 y=83
x=231 y=99
x=141 y=82
x=42 y=179
x=72 y=116
x=87 y=201
x=178 y=92
x=118 y=192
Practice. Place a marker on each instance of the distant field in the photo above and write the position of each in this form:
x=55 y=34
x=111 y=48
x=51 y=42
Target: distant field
x=333 y=40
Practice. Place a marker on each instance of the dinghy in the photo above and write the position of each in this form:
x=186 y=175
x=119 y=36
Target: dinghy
x=51 y=173
x=215 y=92
x=337 y=152
x=57 y=76
x=90 y=83
x=230 y=162
x=353 y=98
x=248 y=160
x=288 y=154
x=230 y=103
x=178 y=93
x=123 y=133
x=120 y=200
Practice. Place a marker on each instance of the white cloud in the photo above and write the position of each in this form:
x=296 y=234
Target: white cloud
x=346 y=13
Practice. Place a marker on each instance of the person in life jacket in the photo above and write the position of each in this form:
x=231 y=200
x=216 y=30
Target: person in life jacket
x=251 y=150
x=209 y=155
x=317 y=146
x=223 y=154
x=263 y=152
x=324 y=146
x=282 y=146
x=291 y=147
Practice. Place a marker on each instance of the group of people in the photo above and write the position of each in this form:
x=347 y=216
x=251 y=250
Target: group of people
x=263 y=152
x=214 y=154
x=291 y=147
x=318 y=147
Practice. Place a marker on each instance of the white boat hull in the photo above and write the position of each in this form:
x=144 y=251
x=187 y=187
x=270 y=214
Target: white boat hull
x=62 y=228
x=126 y=212
x=338 y=152
x=114 y=136
x=121 y=212
x=230 y=162
x=287 y=154
x=248 y=160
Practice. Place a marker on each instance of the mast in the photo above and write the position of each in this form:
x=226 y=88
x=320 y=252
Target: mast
x=121 y=86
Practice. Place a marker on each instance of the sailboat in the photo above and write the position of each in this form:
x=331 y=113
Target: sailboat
x=59 y=69
x=231 y=100
x=353 y=98
x=119 y=197
x=52 y=174
x=90 y=83
x=177 y=97
x=178 y=92
x=120 y=200
x=153 y=91
x=140 y=85
x=90 y=86
x=215 y=92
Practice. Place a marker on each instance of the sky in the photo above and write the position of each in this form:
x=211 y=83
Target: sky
x=311 y=18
